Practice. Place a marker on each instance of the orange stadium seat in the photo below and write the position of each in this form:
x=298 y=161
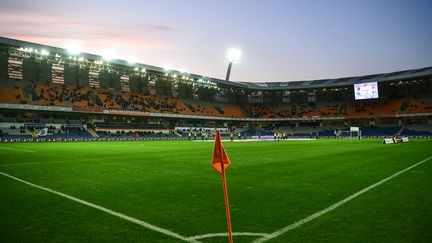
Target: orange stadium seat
x=11 y=96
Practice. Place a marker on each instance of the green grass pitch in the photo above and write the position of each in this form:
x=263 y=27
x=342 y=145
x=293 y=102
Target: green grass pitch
x=171 y=184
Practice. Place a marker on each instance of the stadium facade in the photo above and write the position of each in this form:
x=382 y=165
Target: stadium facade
x=85 y=96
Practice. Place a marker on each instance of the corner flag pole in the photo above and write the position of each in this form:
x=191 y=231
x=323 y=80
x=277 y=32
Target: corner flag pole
x=220 y=162
x=227 y=209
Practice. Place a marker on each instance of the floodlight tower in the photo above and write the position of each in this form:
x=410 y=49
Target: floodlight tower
x=233 y=56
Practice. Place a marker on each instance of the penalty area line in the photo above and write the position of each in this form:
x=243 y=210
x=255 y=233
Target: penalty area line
x=106 y=210
x=334 y=206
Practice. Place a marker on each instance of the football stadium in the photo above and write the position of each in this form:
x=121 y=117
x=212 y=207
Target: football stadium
x=107 y=150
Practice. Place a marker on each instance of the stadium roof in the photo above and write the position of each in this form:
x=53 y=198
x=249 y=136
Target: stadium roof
x=321 y=83
x=288 y=85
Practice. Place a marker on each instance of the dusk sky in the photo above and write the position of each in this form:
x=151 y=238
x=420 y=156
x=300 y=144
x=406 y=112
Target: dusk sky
x=281 y=40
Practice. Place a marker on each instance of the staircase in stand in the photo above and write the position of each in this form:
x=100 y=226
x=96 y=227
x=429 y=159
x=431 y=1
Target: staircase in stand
x=92 y=132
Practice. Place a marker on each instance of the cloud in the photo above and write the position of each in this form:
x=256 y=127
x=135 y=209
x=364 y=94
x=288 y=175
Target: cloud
x=89 y=31
x=17 y=5
x=161 y=27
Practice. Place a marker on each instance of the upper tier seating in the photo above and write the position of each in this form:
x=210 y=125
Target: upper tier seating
x=91 y=99
x=234 y=111
x=11 y=96
x=373 y=108
x=418 y=106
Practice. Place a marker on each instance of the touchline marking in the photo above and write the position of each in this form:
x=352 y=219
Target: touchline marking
x=106 y=210
x=210 y=235
x=47 y=162
x=58 y=161
x=17 y=149
x=334 y=206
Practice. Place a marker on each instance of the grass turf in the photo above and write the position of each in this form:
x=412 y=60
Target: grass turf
x=171 y=184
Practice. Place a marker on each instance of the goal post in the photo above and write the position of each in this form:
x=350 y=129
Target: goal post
x=355 y=132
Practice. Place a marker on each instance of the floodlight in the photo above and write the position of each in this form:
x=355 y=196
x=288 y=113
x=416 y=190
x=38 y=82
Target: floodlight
x=131 y=59
x=73 y=48
x=109 y=55
x=45 y=52
x=234 y=55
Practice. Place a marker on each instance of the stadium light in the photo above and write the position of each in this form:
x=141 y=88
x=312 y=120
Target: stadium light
x=167 y=67
x=44 y=53
x=73 y=48
x=109 y=55
x=131 y=59
x=233 y=56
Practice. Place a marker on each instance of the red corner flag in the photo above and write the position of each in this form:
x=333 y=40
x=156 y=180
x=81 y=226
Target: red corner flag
x=220 y=157
x=220 y=163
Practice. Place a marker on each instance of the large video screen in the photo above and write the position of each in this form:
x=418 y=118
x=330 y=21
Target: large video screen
x=366 y=91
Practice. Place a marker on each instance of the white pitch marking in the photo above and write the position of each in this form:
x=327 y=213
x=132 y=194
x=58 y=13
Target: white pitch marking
x=332 y=207
x=418 y=172
x=17 y=149
x=106 y=210
x=210 y=235
x=51 y=162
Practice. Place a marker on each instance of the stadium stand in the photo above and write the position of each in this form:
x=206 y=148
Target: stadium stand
x=11 y=96
x=151 y=104
x=417 y=130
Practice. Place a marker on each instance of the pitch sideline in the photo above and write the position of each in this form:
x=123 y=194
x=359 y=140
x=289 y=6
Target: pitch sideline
x=47 y=162
x=334 y=206
x=57 y=161
x=17 y=149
